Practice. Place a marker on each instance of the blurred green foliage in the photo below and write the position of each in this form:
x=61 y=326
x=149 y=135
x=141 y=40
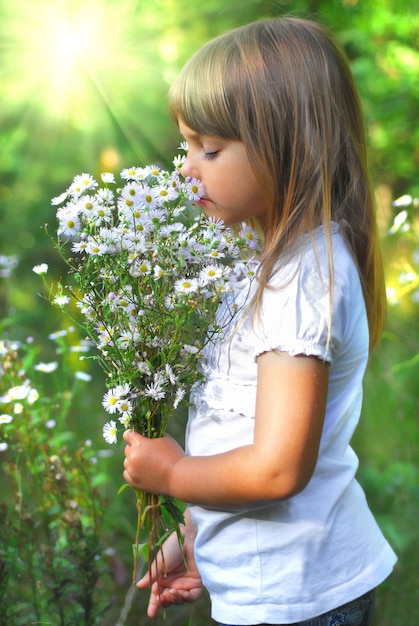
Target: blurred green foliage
x=83 y=89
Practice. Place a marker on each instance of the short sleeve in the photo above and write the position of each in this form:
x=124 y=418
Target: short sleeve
x=297 y=309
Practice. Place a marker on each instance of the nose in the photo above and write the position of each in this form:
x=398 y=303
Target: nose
x=188 y=168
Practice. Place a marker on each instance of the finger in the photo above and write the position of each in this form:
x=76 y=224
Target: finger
x=145 y=581
x=128 y=435
x=153 y=607
x=155 y=602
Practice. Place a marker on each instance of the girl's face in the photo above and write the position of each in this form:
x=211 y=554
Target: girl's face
x=231 y=191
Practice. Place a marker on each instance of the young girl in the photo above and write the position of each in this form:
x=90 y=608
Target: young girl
x=277 y=525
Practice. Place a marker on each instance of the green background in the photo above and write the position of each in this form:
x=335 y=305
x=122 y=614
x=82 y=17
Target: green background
x=83 y=89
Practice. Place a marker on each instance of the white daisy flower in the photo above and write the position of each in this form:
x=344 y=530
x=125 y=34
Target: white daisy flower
x=123 y=390
x=127 y=339
x=87 y=205
x=107 y=177
x=96 y=248
x=18 y=408
x=143 y=368
x=61 y=300
x=179 y=160
x=57 y=334
x=42 y=268
x=143 y=267
x=250 y=235
x=170 y=375
x=157 y=216
x=149 y=197
x=110 y=401
x=81 y=183
x=132 y=311
x=169 y=302
x=19 y=392
x=180 y=394
x=215 y=254
x=405 y=200
x=69 y=222
x=132 y=191
x=46 y=367
x=60 y=199
x=110 y=431
x=125 y=408
x=155 y=391
x=105 y=338
x=135 y=173
x=5 y=418
x=188 y=349
x=166 y=194
x=79 y=246
x=83 y=376
x=155 y=171
x=194 y=188
x=105 y=196
x=125 y=420
x=399 y=222
x=209 y=274
x=158 y=271
x=33 y=396
x=186 y=285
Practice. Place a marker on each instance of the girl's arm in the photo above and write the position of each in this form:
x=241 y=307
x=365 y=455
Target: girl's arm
x=290 y=407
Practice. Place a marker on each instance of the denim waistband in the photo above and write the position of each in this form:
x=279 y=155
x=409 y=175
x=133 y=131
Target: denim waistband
x=358 y=612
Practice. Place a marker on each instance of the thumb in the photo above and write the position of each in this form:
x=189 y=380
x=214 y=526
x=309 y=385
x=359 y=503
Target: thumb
x=128 y=435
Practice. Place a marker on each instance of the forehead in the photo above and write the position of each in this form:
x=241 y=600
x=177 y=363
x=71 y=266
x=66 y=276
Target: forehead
x=186 y=131
x=190 y=134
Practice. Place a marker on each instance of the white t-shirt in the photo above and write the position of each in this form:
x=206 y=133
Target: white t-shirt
x=296 y=558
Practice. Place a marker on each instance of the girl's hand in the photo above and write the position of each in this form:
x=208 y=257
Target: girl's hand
x=170 y=581
x=149 y=462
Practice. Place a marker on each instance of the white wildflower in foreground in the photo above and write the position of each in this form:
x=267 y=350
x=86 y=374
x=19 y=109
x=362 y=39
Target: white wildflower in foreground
x=33 y=396
x=110 y=432
x=18 y=392
x=108 y=177
x=186 y=286
x=404 y=200
x=110 y=401
x=83 y=376
x=400 y=222
x=46 y=367
x=5 y=418
x=81 y=183
x=42 y=268
x=62 y=300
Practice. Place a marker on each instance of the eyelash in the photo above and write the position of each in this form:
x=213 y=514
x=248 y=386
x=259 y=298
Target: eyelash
x=210 y=156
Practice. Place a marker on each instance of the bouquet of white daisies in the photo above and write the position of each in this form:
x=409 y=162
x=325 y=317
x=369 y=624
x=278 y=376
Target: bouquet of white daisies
x=147 y=270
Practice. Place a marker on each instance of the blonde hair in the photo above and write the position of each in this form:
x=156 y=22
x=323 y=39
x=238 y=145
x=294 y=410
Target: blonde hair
x=284 y=88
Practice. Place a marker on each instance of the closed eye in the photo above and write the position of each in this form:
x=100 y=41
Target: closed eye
x=210 y=156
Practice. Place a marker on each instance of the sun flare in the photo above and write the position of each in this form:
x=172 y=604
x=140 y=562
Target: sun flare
x=59 y=57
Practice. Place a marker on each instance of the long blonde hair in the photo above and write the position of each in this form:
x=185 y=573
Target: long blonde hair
x=284 y=88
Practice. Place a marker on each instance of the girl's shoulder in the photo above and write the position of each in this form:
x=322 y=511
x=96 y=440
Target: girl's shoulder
x=322 y=253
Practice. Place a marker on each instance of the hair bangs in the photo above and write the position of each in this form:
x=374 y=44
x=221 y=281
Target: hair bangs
x=202 y=96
